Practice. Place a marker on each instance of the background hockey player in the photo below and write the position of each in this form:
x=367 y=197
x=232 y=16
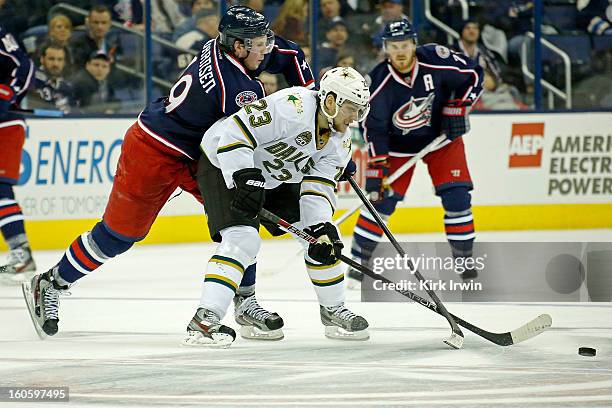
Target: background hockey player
x=160 y=151
x=16 y=72
x=285 y=152
x=418 y=93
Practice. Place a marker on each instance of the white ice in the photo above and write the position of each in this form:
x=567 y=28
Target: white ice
x=120 y=332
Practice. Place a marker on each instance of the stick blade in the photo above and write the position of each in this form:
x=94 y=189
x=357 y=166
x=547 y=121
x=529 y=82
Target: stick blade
x=455 y=341
x=531 y=329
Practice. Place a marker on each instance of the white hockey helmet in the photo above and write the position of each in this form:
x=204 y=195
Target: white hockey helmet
x=347 y=85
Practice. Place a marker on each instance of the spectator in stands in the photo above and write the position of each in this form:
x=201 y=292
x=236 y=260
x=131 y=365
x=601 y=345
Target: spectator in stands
x=166 y=16
x=345 y=59
x=190 y=24
x=98 y=24
x=269 y=81
x=498 y=95
x=337 y=35
x=595 y=16
x=92 y=90
x=60 y=29
x=596 y=90
x=52 y=89
x=207 y=24
x=291 y=20
x=330 y=11
x=257 y=5
x=391 y=10
x=469 y=44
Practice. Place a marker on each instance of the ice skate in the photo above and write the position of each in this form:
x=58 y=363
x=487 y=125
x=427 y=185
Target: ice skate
x=340 y=323
x=255 y=322
x=42 y=298
x=19 y=267
x=205 y=329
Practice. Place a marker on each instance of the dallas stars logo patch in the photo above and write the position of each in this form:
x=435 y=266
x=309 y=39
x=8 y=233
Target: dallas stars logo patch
x=297 y=102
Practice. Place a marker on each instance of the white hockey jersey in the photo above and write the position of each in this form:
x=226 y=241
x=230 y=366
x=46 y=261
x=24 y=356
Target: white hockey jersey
x=279 y=134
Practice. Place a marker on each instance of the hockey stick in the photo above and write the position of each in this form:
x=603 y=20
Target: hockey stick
x=43 y=113
x=396 y=174
x=454 y=339
x=525 y=332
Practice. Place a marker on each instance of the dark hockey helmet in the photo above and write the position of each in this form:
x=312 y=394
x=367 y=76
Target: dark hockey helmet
x=399 y=30
x=244 y=24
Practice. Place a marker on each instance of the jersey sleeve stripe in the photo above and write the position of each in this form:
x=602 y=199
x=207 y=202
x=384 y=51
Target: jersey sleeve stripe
x=233 y=146
x=318 y=194
x=245 y=131
x=320 y=180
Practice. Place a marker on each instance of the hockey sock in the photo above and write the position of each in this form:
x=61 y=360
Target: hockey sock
x=11 y=218
x=328 y=282
x=366 y=236
x=225 y=269
x=89 y=251
x=458 y=220
x=247 y=286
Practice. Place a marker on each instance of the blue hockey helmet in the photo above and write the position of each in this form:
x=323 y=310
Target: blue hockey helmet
x=244 y=24
x=399 y=30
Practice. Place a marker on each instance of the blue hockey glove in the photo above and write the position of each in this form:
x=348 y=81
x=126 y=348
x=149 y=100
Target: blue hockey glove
x=455 y=119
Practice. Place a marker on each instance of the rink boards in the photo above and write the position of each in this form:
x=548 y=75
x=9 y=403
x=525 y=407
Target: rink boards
x=530 y=171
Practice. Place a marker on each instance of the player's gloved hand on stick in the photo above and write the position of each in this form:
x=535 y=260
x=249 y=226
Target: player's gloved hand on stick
x=378 y=170
x=7 y=97
x=328 y=247
x=349 y=171
x=250 y=192
x=455 y=118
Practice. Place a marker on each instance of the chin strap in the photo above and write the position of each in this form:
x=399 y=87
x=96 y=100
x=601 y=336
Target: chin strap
x=330 y=118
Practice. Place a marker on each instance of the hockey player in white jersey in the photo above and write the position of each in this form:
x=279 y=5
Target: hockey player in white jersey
x=285 y=152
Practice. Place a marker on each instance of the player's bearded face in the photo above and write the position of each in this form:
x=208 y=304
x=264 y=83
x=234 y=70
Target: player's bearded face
x=401 y=54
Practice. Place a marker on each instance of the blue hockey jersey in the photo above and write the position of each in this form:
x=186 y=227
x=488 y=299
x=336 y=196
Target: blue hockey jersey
x=16 y=69
x=214 y=85
x=405 y=110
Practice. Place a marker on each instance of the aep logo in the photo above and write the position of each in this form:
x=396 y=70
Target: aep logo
x=526 y=145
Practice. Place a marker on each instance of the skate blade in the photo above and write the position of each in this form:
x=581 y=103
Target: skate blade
x=338 y=333
x=254 y=333
x=26 y=289
x=197 y=339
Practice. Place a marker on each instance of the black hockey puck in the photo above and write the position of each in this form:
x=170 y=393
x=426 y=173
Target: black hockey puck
x=587 y=351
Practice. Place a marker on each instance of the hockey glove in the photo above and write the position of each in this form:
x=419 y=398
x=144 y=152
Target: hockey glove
x=7 y=97
x=378 y=170
x=455 y=119
x=250 y=192
x=349 y=171
x=328 y=247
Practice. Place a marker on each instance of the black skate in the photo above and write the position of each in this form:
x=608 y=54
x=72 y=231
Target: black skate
x=205 y=329
x=19 y=267
x=340 y=323
x=256 y=322
x=42 y=298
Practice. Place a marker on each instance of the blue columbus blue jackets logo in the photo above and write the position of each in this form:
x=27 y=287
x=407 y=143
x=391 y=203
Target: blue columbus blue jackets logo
x=245 y=97
x=414 y=114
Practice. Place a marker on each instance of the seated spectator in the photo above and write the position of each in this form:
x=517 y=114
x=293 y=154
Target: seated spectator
x=95 y=38
x=190 y=24
x=337 y=35
x=207 y=24
x=291 y=20
x=60 y=29
x=595 y=16
x=128 y=12
x=391 y=10
x=269 y=81
x=498 y=95
x=469 y=44
x=345 y=59
x=92 y=90
x=52 y=89
x=166 y=16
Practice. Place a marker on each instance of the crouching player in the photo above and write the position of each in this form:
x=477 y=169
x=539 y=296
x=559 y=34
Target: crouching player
x=285 y=152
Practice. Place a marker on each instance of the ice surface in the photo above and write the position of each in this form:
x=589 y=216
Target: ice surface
x=120 y=332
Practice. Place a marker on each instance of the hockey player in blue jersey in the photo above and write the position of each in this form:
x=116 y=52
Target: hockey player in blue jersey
x=160 y=153
x=417 y=94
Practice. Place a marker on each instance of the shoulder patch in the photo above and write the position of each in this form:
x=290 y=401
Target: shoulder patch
x=245 y=98
x=303 y=138
x=296 y=101
x=442 y=51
